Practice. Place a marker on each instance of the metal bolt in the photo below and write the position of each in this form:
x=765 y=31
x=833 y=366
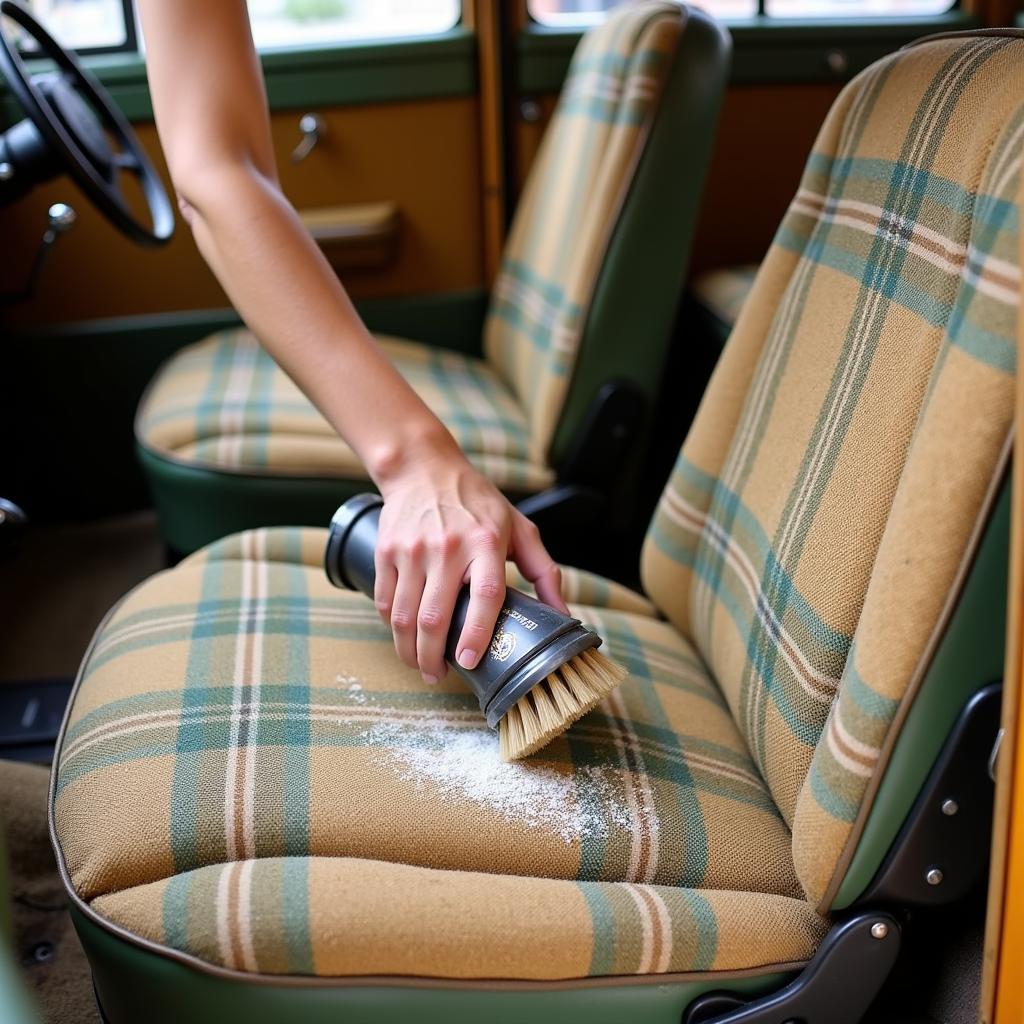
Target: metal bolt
x=934 y=876
x=42 y=952
x=6 y=171
x=950 y=807
x=529 y=111
x=879 y=930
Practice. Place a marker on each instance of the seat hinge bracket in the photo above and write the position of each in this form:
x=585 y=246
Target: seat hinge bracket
x=836 y=987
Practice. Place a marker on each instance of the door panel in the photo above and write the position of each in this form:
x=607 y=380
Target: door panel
x=423 y=156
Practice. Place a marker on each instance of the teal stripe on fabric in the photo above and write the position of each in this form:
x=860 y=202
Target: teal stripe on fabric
x=706 y=931
x=867 y=700
x=736 y=510
x=192 y=737
x=992 y=349
x=603 y=926
x=296 y=781
x=175 y=912
x=295 y=908
x=839 y=807
x=923 y=183
x=693 y=864
x=742 y=613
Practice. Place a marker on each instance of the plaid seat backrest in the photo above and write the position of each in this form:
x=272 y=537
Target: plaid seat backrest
x=570 y=205
x=826 y=496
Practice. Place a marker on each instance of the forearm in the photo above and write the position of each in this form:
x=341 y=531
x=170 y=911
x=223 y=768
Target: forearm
x=287 y=293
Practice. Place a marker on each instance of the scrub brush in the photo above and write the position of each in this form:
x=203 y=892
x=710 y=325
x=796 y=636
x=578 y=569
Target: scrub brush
x=542 y=670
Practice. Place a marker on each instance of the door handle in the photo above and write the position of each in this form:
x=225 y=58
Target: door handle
x=313 y=127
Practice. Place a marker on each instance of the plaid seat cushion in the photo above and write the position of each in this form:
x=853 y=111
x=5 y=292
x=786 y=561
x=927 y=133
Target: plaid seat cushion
x=250 y=775
x=224 y=404
x=722 y=292
x=570 y=206
x=828 y=496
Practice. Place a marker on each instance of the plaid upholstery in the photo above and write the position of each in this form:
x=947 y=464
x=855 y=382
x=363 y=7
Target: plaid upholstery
x=570 y=205
x=722 y=292
x=224 y=404
x=249 y=773
x=828 y=490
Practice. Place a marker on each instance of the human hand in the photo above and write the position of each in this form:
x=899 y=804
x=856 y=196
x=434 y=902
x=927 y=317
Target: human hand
x=444 y=525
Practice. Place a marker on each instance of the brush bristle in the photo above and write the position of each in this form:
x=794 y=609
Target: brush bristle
x=554 y=704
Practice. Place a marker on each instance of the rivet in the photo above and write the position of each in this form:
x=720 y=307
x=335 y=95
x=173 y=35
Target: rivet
x=6 y=171
x=879 y=930
x=42 y=952
x=950 y=807
x=934 y=876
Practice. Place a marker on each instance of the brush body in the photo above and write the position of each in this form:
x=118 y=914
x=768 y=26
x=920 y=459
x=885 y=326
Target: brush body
x=541 y=670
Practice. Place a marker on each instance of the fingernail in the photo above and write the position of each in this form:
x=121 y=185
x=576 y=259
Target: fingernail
x=467 y=658
x=428 y=678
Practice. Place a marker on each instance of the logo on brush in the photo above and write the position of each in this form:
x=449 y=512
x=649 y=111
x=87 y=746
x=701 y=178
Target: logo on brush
x=502 y=645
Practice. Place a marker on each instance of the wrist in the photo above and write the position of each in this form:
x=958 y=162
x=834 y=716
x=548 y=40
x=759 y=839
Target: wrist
x=424 y=450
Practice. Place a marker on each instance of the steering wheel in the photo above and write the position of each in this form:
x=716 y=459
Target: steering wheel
x=69 y=116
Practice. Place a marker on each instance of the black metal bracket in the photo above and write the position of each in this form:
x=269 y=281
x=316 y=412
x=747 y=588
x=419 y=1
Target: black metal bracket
x=836 y=987
x=942 y=851
x=595 y=463
x=606 y=437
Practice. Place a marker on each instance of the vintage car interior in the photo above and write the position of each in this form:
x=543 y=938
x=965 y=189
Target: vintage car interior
x=726 y=297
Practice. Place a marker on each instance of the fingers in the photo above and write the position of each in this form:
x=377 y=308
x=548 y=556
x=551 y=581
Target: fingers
x=405 y=611
x=435 y=617
x=486 y=596
x=536 y=564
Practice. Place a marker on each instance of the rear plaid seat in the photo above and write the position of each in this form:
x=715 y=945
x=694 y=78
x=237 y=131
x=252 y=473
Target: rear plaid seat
x=250 y=776
x=224 y=405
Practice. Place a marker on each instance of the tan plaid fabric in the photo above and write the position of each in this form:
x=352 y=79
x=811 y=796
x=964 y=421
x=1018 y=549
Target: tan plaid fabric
x=245 y=742
x=224 y=404
x=824 y=499
x=570 y=206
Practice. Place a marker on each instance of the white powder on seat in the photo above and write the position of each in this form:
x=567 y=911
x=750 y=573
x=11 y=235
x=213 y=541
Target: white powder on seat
x=462 y=763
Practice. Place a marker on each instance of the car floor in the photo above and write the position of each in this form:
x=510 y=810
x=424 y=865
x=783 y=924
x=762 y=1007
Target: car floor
x=56 y=590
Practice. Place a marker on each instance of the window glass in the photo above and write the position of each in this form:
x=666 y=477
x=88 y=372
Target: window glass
x=588 y=12
x=855 y=8
x=295 y=22
x=81 y=24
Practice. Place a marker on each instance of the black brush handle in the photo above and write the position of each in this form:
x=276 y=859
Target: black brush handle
x=523 y=649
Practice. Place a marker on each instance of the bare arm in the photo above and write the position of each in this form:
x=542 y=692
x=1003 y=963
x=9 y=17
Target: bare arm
x=443 y=523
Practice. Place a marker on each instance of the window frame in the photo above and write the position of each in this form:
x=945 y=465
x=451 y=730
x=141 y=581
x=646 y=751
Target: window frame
x=129 y=46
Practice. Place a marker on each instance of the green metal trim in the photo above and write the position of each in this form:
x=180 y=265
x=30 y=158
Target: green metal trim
x=630 y=321
x=765 y=49
x=137 y=984
x=196 y=506
x=969 y=656
x=342 y=74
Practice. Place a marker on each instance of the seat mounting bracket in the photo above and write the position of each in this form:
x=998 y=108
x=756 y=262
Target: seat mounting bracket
x=836 y=987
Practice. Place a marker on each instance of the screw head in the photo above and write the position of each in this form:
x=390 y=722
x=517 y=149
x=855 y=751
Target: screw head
x=950 y=807
x=6 y=170
x=879 y=930
x=934 y=876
